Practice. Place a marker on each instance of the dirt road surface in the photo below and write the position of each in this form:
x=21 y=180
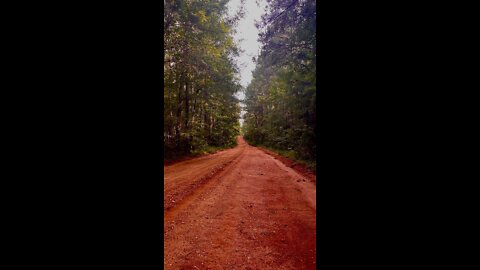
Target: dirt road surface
x=238 y=209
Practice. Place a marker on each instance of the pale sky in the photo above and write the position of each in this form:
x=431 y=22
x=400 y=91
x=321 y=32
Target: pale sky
x=247 y=31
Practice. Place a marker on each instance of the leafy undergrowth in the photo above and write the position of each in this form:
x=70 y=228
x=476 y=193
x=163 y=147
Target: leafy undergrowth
x=171 y=159
x=299 y=167
x=290 y=154
x=211 y=149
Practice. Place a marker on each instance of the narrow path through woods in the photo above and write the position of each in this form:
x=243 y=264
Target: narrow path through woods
x=238 y=209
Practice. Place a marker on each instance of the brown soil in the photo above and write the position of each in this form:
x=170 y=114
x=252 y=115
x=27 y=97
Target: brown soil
x=238 y=209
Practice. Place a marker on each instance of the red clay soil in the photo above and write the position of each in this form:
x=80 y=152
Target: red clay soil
x=300 y=168
x=177 y=160
x=238 y=209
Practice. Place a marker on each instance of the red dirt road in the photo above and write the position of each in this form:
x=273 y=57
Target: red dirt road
x=238 y=209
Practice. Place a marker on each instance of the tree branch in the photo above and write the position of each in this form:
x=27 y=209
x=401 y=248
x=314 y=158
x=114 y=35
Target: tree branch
x=281 y=13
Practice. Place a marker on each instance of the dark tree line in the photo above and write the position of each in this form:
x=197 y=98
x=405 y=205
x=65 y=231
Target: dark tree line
x=200 y=82
x=280 y=101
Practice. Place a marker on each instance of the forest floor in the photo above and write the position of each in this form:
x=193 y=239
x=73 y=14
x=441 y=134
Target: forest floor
x=240 y=208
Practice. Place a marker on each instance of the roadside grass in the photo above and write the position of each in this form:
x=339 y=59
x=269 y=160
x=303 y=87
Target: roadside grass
x=211 y=149
x=310 y=164
x=173 y=158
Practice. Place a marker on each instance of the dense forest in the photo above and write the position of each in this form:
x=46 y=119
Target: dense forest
x=281 y=99
x=201 y=111
x=200 y=76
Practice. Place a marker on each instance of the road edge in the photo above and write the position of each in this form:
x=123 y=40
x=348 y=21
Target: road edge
x=299 y=168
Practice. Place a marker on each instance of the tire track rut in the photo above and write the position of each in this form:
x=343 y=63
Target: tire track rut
x=251 y=214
